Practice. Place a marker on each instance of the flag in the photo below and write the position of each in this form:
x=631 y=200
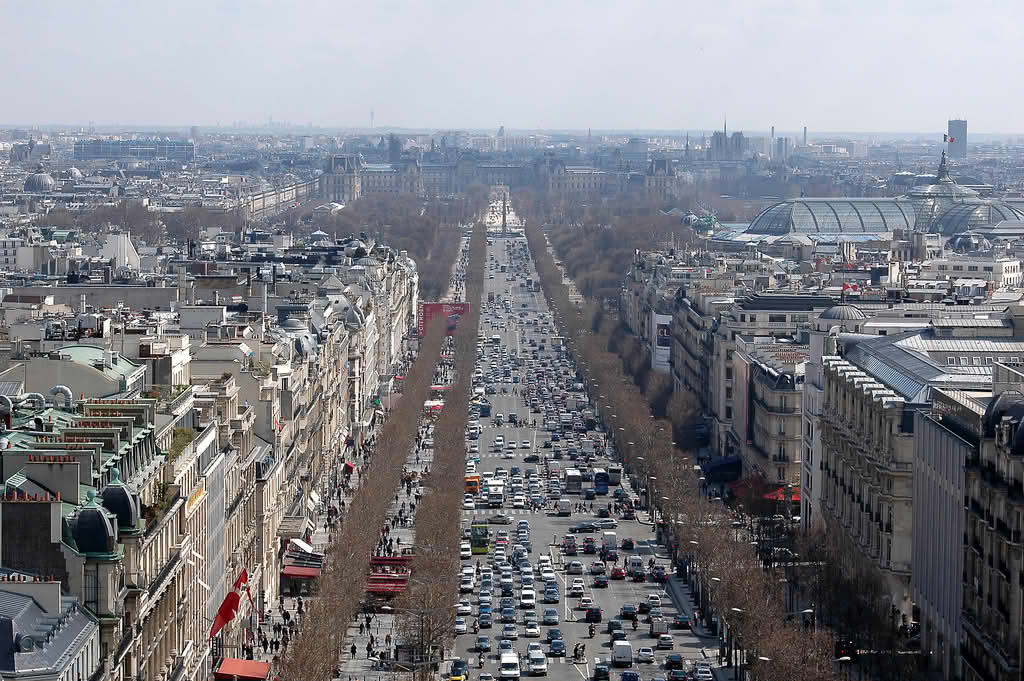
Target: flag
x=225 y=613
x=243 y=582
x=952 y=139
x=945 y=138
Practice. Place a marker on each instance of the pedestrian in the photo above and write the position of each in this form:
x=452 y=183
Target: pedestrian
x=360 y=628
x=353 y=651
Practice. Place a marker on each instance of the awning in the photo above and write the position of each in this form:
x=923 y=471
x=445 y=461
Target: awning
x=349 y=466
x=232 y=668
x=780 y=495
x=299 y=572
x=303 y=546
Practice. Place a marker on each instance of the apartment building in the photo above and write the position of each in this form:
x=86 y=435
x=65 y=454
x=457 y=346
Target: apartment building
x=994 y=268
x=766 y=390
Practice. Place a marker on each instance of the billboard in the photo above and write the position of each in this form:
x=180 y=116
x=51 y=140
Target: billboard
x=451 y=311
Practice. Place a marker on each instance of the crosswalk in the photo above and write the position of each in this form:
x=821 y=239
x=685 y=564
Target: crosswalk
x=488 y=512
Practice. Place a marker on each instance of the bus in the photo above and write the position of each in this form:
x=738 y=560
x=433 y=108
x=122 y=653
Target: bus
x=472 y=484
x=480 y=538
x=614 y=475
x=601 y=481
x=573 y=481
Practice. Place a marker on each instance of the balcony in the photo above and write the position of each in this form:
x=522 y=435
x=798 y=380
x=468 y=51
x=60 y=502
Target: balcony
x=775 y=409
x=245 y=419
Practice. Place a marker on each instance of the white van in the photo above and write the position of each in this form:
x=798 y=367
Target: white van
x=622 y=654
x=508 y=666
x=538 y=663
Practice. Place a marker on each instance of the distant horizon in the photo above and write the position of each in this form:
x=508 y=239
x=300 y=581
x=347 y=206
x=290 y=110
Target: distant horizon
x=856 y=135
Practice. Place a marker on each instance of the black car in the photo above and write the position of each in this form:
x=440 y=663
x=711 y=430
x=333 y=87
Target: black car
x=681 y=621
x=600 y=673
x=603 y=512
x=644 y=607
x=531 y=458
x=547 y=444
x=554 y=634
x=589 y=494
x=628 y=612
x=600 y=582
x=558 y=648
x=593 y=614
x=677 y=675
x=674 y=661
x=614 y=625
x=583 y=528
x=627 y=544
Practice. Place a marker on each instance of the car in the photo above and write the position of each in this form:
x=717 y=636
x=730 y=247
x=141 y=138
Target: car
x=519 y=501
x=464 y=608
x=483 y=644
x=618 y=572
x=665 y=642
x=510 y=631
x=551 y=596
x=577 y=588
x=485 y=620
x=531 y=458
x=538 y=663
x=557 y=648
x=547 y=574
x=585 y=602
x=460 y=669
x=574 y=567
x=500 y=519
x=550 y=617
x=703 y=674
x=627 y=544
x=508 y=615
x=597 y=568
x=584 y=528
x=505 y=646
x=630 y=676
x=594 y=614
x=614 y=625
x=618 y=635
x=460 y=625
x=532 y=629
x=606 y=523
x=600 y=582
x=600 y=673
x=678 y=675
x=628 y=612
x=525 y=444
x=654 y=614
x=643 y=607
x=645 y=654
x=507 y=603
x=465 y=551
x=654 y=600
x=674 y=661
x=554 y=635
x=681 y=621
x=528 y=598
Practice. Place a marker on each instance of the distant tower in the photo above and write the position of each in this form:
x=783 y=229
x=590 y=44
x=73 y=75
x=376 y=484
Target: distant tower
x=805 y=135
x=371 y=119
x=194 y=132
x=771 y=144
x=957 y=138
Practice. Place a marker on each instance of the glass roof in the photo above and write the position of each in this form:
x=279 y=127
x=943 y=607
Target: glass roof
x=963 y=216
x=840 y=215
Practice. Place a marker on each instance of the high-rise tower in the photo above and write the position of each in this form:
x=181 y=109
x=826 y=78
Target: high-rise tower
x=957 y=138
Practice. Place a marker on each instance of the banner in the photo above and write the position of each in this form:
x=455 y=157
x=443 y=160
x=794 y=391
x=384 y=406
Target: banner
x=451 y=311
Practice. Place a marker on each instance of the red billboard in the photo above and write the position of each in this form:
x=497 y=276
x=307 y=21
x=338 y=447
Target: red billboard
x=450 y=311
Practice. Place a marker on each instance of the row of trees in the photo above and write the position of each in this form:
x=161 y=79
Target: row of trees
x=727 y=576
x=319 y=646
x=426 y=611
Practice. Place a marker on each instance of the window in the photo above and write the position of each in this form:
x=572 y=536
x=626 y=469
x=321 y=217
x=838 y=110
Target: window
x=883 y=332
x=743 y=317
x=780 y=474
x=986 y=268
x=728 y=412
x=728 y=373
x=728 y=393
x=976 y=361
x=972 y=268
x=951 y=361
x=963 y=361
x=943 y=268
x=958 y=268
x=776 y=319
x=988 y=361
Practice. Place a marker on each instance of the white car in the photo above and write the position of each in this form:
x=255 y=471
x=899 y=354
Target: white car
x=547 y=575
x=468 y=504
x=586 y=602
x=460 y=625
x=509 y=453
x=654 y=600
x=525 y=444
x=464 y=608
x=645 y=654
x=532 y=629
x=519 y=501
x=538 y=663
x=528 y=598
x=465 y=551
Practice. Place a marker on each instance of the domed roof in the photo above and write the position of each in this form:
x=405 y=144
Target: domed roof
x=966 y=242
x=39 y=181
x=95 y=528
x=1007 y=403
x=75 y=173
x=119 y=500
x=834 y=215
x=843 y=312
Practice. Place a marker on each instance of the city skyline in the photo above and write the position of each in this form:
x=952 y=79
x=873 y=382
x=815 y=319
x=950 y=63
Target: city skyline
x=532 y=66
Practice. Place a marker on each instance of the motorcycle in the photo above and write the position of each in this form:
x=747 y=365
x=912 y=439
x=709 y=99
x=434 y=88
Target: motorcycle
x=592 y=630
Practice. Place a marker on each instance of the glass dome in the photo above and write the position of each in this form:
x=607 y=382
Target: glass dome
x=965 y=216
x=845 y=215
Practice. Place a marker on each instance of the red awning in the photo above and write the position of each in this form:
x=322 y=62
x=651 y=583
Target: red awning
x=299 y=572
x=399 y=378
x=349 y=466
x=232 y=667
x=780 y=495
x=439 y=387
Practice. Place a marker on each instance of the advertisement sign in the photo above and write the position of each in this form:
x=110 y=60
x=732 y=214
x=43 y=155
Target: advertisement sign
x=450 y=311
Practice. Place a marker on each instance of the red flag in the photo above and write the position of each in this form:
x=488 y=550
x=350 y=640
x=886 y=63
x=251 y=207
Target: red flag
x=952 y=139
x=227 y=611
x=243 y=582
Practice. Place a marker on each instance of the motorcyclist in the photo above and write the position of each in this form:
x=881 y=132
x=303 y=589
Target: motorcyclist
x=476 y=626
x=592 y=629
x=636 y=625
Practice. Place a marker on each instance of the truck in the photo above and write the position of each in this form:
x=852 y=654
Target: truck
x=495 y=496
x=564 y=507
x=622 y=654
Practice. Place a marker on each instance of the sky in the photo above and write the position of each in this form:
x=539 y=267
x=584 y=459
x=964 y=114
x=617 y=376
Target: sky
x=446 y=64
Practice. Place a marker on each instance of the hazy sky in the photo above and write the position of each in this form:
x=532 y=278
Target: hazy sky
x=906 y=65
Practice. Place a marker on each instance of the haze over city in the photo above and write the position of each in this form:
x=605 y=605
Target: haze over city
x=833 y=66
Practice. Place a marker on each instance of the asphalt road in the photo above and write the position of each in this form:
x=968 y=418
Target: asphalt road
x=546 y=529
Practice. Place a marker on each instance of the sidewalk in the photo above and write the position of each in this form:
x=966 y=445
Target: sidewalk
x=683 y=600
